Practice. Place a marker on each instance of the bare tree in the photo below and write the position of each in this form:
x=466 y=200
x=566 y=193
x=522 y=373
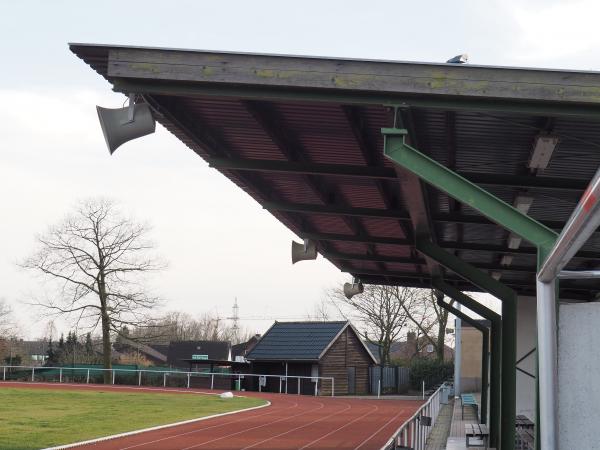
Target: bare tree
x=430 y=321
x=180 y=326
x=6 y=319
x=382 y=311
x=320 y=312
x=96 y=260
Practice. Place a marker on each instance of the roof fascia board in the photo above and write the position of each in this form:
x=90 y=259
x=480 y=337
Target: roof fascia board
x=355 y=75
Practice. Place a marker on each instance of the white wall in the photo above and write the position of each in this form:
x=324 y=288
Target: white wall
x=579 y=376
x=526 y=341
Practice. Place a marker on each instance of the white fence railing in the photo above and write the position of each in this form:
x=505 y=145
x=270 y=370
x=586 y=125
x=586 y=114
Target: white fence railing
x=284 y=381
x=414 y=432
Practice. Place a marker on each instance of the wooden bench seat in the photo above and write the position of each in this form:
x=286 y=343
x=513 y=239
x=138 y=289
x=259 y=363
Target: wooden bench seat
x=477 y=431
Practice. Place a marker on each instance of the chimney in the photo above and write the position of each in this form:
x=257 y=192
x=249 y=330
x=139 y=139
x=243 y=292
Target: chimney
x=411 y=337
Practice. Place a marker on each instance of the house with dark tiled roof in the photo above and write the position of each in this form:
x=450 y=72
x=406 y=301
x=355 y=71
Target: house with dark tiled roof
x=310 y=350
x=181 y=352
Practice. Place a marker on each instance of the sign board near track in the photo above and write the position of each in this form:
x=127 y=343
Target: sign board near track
x=199 y=357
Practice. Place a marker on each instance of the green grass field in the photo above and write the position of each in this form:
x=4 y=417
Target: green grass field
x=38 y=418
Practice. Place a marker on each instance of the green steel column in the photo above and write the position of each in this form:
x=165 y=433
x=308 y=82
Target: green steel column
x=485 y=345
x=496 y=350
x=498 y=211
x=508 y=297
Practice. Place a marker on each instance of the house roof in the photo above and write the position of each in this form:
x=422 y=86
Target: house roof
x=302 y=136
x=183 y=350
x=306 y=341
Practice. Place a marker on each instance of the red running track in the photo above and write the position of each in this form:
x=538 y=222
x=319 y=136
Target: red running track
x=291 y=422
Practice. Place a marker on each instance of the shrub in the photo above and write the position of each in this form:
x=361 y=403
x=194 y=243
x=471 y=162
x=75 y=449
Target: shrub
x=434 y=372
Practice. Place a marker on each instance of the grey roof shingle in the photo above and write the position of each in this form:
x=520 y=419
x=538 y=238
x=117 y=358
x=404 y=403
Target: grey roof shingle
x=296 y=340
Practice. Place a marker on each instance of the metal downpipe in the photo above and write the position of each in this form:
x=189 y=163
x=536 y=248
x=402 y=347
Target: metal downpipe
x=548 y=367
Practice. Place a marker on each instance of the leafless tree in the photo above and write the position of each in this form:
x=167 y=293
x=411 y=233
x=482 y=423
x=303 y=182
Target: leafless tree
x=382 y=312
x=320 y=312
x=96 y=260
x=180 y=326
x=6 y=320
x=429 y=320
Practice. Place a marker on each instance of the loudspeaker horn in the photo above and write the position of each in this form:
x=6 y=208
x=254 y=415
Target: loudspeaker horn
x=302 y=252
x=121 y=125
x=352 y=289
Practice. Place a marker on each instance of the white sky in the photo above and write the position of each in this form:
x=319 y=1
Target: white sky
x=220 y=244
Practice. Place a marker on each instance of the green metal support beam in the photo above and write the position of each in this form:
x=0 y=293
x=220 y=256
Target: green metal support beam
x=397 y=149
x=496 y=354
x=508 y=297
x=485 y=347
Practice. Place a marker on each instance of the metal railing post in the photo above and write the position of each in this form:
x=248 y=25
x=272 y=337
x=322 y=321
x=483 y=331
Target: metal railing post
x=280 y=385
x=113 y=375
x=32 y=374
x=188 y=380
x=298 y=385
x=60 y=375
x=212 y=381
x=316 y=387
x=165 y=379
x=88 y=377
x=3 y=373
x=333 y=387
x=139 y=378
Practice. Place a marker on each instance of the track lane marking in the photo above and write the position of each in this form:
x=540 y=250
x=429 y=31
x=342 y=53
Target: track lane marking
x=379 y=430
x=207 y=428
x=340 y=428
x=254 y=428
x=299 y=427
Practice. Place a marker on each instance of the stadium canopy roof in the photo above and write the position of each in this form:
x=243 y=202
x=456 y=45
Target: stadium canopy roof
x=302 y=136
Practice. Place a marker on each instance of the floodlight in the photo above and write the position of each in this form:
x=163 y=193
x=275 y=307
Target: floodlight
x=459 y=59
x=506 y=260
x=305 y=251
x=121 y=125
x=543 y=147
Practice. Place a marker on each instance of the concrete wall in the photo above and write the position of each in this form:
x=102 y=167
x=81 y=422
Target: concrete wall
x=526 y=341
x=578 y=376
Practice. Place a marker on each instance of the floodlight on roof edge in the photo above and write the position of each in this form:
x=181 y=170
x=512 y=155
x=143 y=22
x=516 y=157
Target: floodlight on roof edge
x=121 y=125
x=459 y=59
x=305 y=251
x=543 y=147
x=352 y=289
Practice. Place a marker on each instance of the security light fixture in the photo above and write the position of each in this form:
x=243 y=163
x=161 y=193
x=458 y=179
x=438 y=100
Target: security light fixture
x=496 y=275
x=459 y=59
x=506 y=260
x=305 y=251
x=543 y=147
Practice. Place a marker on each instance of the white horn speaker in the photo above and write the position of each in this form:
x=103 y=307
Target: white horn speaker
x=123 y=124
x=302 y=252
x=352 y=289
